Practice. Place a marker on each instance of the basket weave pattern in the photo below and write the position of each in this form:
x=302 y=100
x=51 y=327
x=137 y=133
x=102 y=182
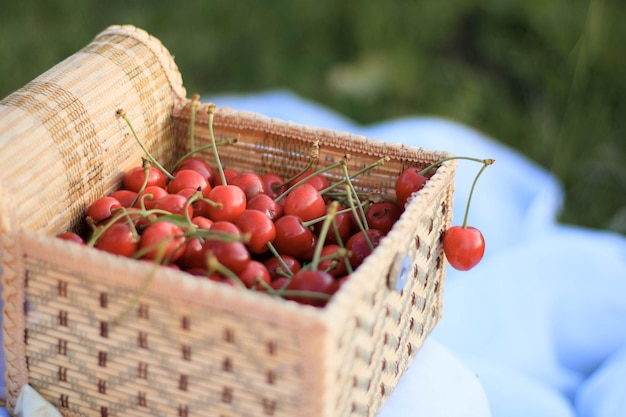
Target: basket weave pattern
x=100 y=335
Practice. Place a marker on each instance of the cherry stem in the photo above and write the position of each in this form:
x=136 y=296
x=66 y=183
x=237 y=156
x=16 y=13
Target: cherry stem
x=342 y=247
x=305 y=179
x=359 y=223
x=121 y=113
x=229 y=141
x=211 y=112
x=286 y=270
x=450 y=158
x=378 y=163
x=321 y=239
x=214 y=265
x=146 y=174
x=486 y=163
x=353 y=191
x=99 y=230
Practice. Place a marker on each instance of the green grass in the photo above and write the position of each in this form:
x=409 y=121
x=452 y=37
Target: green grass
x=545 y=78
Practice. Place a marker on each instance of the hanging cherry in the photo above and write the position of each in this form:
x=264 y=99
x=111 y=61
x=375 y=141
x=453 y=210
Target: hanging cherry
x=464 y=246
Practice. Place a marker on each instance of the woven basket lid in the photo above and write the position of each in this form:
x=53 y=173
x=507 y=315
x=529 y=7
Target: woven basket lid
x=56 y=130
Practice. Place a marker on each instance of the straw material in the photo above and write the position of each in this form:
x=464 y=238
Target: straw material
x=100 y=335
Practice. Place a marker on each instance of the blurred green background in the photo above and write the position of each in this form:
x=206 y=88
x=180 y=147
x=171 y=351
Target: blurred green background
x=545 y=77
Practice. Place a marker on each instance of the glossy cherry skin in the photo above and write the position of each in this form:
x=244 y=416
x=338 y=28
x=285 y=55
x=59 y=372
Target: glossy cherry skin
x=187 y=178
x=232 y=255
x=335 y=266
x=149 y=196
x=253 y=274
x=311 y=281
x=118 y=239
x=383 y=215
x=463 y=247
x=232 y=200
x=199 y=165
x=250 y=182
x=260 y=228
x=345 y=227
x=134 y=178
x=276 y=269
x=305 y=202
x=102 y=208
x=163 y=241
x=175 y=204
x=125 y=197
x=359 y=248
x=274 y=184
x=265 y=204
x=229 y=174
x=194 y=255
x=292 y=237
x=409 y=182
x=318 y=181
x=71 y=236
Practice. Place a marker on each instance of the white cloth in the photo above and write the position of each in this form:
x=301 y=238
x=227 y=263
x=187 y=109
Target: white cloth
x=31 y=404
x=538 y=328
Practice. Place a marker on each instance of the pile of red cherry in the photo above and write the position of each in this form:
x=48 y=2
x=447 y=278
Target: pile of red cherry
x=298 y=238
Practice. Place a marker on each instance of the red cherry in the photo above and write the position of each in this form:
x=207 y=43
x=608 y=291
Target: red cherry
x=337 y=283
x=162 y=239
x=250 y=182
x=318 y=181
x=335 y=266
x=150 y=195
x=233 y=255
x=464 y=247
x=359 y=248
x=409 y=182
x=229 y=174
x=187 y=178
x=102 y=208
x=199 y=165
x=232 y=202
x=305 y=202
x=134 y=178
x=276 y=269
x=312 y=281
x=199 y=207
x=345 y=226
x=118 y=239
x=174 y=203
x=202 y=222
x=194 y=255
x=383 y=215
x=274 y=184
x=125 y=197
x=226 y=227
x=310 y=253
x=253 y=273
x=260 y=228
x=280 y=283
x=265 y=204
x=292 y=237
x=71 y=236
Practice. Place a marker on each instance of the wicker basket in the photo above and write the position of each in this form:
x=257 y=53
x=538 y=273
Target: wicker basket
x=186 y=346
